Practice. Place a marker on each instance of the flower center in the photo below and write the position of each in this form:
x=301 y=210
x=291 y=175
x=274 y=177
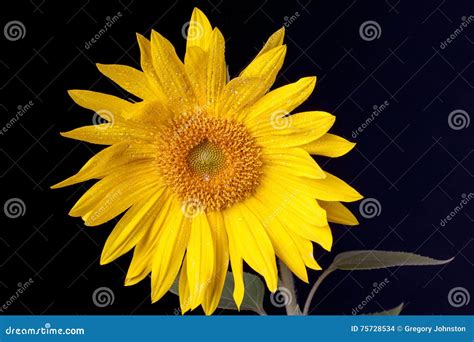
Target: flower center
x=211 y=163
x=206 y=159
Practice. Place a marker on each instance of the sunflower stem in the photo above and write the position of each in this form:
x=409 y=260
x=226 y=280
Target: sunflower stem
x=318 y=282
x=287 y=282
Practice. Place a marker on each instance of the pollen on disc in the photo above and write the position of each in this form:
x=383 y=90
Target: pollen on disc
x=211 y=161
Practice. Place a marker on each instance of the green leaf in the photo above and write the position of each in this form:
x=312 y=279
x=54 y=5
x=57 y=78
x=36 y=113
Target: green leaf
x=371 y=260
x=390 y=312
x=253 y=297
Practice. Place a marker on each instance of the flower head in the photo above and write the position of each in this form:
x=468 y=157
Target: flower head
x=209 y=171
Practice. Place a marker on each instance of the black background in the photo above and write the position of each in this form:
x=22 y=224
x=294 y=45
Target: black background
x=409 y=158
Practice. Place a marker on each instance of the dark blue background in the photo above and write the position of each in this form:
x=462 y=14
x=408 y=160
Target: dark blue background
x=409 y=158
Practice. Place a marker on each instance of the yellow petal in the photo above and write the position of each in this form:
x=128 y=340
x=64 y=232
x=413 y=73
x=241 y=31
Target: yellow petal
x=141 y=263
x=184 y=293
x=275 y=40
x=329 y=145
x=279 y=101
x=221 y=251
x=252 y=242
x=338 y=213
x=306 y=248
x=237 y=270
x=147 y=113
x=108 y=106
x=332 y=188
x=280 y=192
x=301 y=128
x=119 y=199
x=110 y=133
x=293 y=223
x=111 y=186
x=169 y=252
x=295 y=161
x=282 y=241
x=199 y=31
x=108 y=160
x=266 y=66
x=325 y=239
x=146 y=62
x=237 y=95
x=295 y=210
x=298 y=123
x=131 y=228
x=171 y=75
x=200 y=258
x=216 y=69
x=130 y=79
x=195 y=64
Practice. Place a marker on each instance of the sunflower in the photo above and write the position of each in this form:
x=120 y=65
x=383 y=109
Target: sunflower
x=209 y=171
